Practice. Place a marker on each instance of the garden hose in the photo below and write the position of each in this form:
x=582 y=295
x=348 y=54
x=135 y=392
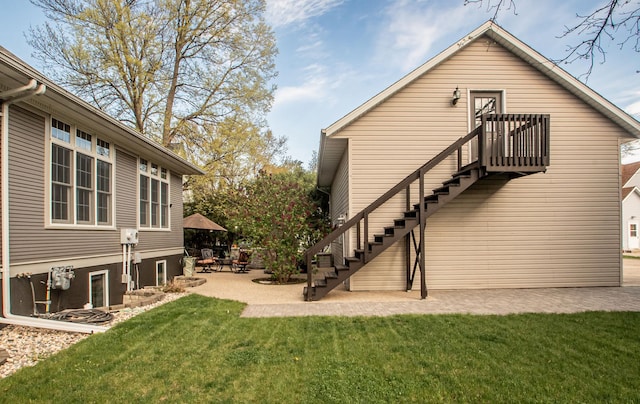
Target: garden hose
x=92 y=316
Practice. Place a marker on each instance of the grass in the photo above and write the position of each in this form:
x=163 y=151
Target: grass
x=199 y=350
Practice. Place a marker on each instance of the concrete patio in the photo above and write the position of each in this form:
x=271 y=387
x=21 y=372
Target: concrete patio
x=286 y=300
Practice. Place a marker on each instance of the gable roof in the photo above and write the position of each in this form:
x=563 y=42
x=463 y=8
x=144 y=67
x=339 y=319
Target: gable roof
x=15 y=73
x=331 y=151
x=626 y=192
x=628 y=171
x=629 y=191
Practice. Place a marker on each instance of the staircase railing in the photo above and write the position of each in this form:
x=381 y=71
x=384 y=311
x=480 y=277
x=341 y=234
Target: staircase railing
x=507 y=143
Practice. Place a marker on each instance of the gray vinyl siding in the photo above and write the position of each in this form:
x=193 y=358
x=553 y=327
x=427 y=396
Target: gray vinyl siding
x=1 y=118
x=553 y=229
x=126 y=178
x=340 y=204
x=163 y=239
x=30 y=240
x=26 y=180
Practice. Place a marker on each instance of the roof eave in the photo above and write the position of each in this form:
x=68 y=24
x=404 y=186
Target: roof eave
x=122 y=134
x=510 y=42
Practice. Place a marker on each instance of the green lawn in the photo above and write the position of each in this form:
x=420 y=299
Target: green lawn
x=198 y=350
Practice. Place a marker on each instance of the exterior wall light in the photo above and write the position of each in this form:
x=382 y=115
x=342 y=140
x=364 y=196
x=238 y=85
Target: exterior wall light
x=456 y=96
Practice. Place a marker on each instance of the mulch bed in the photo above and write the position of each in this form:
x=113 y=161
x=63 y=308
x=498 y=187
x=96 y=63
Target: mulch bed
x=270 y=281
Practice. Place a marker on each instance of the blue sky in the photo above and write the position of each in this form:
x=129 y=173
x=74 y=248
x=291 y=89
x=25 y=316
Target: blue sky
x=336 y=54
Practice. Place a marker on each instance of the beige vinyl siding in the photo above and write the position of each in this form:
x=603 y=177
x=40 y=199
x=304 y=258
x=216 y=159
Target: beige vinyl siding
x=340 y=204
x=560 y=228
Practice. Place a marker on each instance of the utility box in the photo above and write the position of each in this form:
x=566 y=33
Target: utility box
x=128 y=236
x=189 y=266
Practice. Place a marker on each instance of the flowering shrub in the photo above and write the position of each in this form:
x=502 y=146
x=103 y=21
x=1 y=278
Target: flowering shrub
x=276 y=213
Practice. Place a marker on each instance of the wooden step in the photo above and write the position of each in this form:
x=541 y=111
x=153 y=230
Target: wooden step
x=330 y=274
x=444 y=190
x=411 y=214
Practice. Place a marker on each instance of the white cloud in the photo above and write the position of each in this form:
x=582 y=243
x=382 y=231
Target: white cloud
x=411 y=28
x=633 y=109
x=285 y=12
x=315 y=87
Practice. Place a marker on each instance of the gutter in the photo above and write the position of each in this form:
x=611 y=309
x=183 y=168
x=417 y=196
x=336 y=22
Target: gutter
x=9 y=97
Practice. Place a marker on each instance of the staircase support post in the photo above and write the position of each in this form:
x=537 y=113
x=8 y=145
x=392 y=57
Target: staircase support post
x=423 y=226
x=407 y=241
x=309 y=295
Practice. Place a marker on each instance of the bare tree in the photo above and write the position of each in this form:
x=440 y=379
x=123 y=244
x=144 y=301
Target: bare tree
x=167 y=67
x=494 y=7
x=613 y=21
x=629 y=149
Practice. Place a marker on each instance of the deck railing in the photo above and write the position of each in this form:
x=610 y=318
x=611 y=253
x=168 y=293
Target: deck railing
x=514 y=142
x=508 y=143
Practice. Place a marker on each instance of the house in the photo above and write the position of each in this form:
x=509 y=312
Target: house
x=90 y=208
x=486 y=167
x=630 y=206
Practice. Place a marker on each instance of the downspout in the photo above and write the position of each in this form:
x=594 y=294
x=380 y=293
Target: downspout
x=9 y=97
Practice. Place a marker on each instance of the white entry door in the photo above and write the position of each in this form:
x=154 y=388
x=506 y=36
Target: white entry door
x=482 y=102
x=633 y=241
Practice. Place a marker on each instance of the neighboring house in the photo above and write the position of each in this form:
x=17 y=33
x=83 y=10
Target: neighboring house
x=630 y=206
x=536 y=205
x=81 y=192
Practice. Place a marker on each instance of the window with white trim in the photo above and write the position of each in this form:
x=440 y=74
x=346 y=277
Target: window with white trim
x=154 y=196
x=161 y=273
x=81 y=180
x=99 y=288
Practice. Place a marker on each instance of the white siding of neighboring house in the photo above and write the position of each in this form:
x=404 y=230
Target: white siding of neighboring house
x=630 y=214
x=559 y=228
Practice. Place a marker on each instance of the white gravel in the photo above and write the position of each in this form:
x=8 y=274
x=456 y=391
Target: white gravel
x=27 y=345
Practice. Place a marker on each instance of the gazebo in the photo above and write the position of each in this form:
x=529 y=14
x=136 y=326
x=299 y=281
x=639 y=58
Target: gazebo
x=200 y=224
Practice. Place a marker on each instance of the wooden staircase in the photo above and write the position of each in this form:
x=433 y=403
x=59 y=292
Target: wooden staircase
x=514 y=144
x=333 y=275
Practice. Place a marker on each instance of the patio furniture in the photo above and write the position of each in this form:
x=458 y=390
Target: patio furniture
x=225 y=261
x=207 y=260
x=240 y=265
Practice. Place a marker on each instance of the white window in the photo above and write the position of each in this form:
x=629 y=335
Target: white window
x=633 y=230
x=154 y=196
x=99 y=288
x=81 y=181
x=161 y=273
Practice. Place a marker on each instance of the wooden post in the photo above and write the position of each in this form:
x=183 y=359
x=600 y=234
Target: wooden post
x=423 y=226
x=407 y=241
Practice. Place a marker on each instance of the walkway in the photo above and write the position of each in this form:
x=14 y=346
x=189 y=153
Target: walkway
x=286 y=300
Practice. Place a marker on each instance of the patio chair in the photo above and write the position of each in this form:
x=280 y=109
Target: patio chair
x=240 y=265
x=207 y=260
